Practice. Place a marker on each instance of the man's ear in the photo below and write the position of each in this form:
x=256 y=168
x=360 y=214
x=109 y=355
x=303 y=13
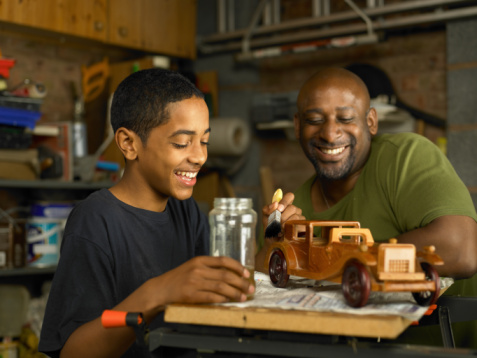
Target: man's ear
x=127 y=142
x=296 y=121
x=372 y=121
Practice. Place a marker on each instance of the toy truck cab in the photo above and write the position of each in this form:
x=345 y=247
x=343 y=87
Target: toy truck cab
x=343 y=252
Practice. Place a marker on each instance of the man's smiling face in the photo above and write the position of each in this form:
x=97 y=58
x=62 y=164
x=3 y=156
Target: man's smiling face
x=334 y=127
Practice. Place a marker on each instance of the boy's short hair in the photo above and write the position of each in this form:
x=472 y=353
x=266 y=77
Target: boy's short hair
x=141 y=100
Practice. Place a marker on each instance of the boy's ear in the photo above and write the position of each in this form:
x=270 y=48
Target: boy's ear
x=127 y=142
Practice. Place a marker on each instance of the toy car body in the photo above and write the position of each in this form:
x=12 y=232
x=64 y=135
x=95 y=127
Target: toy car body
x=344 y=252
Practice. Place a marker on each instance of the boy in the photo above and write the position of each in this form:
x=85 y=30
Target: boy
x=140 y=244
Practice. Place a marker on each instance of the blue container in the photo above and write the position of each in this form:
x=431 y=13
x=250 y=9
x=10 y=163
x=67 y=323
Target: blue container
x=19 y=117
x=51 y=210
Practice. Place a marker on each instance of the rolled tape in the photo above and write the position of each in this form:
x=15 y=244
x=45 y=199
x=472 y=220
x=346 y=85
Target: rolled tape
x=228 y=136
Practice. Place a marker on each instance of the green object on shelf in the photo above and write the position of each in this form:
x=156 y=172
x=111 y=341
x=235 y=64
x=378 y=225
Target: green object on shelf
x=135 y=67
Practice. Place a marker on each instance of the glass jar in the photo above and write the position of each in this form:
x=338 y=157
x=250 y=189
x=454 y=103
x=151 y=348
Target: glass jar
x=232 y=231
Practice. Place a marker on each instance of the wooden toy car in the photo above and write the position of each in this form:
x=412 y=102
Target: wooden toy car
x=343 y=252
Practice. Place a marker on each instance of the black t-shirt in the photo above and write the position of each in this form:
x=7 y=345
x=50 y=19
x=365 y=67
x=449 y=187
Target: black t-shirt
x=108 y=250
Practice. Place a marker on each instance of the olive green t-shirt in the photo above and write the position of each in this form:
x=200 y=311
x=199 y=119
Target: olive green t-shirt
x=406 y=183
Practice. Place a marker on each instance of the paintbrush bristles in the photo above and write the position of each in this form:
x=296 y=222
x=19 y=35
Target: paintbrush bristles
x=274 y=226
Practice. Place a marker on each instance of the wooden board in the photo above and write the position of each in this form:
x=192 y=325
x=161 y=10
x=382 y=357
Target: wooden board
x=288 y=320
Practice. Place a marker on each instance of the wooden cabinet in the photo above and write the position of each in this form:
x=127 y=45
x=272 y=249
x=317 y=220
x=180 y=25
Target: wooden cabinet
x=84 y=18
x=163 y=26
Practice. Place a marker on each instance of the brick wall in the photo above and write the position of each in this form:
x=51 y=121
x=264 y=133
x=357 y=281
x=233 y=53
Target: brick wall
x=55 y=62
x=461 y=89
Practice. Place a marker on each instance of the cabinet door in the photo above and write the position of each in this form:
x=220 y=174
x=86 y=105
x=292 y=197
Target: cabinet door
x=35 y=13
x=84 y=18
x=125 y=23
x=169 y=27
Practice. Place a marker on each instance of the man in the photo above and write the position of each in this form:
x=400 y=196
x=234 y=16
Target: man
x=140 y=245
x=396 y=185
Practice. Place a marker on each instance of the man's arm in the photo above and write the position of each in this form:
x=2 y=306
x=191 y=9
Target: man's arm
x=455 y=239
x=203 y=279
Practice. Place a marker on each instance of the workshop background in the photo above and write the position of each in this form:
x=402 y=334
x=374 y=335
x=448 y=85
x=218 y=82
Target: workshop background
x=60 y=61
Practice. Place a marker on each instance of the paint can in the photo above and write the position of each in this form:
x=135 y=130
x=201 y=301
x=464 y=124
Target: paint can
x=43 y=237
x=53 y=210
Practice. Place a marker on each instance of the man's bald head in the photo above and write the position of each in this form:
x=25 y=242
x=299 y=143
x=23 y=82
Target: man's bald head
x=333 y=77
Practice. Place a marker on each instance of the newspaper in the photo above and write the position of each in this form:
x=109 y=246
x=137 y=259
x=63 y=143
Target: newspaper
x=325 y=296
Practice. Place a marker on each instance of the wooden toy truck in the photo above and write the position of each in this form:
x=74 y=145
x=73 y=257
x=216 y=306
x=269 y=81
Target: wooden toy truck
x=343 y=252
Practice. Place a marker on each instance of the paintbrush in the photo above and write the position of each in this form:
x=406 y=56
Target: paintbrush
x=274 y=226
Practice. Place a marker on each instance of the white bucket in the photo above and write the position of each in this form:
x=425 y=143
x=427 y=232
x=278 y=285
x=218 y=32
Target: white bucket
x=43 y=236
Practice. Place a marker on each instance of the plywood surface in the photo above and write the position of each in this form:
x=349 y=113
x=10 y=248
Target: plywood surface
x=288 y=320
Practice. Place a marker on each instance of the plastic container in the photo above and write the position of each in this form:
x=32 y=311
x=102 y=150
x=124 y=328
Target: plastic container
x=52 y=210
x=43 y=237
x=27 y=103
x=14 y=137
x=232 y=231
x=19 y=117
x=14 y=301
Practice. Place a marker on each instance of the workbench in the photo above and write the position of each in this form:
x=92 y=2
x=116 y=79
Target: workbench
x=224 y=331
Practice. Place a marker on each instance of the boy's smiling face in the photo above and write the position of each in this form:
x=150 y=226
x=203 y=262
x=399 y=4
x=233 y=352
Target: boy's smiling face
x=175 y=151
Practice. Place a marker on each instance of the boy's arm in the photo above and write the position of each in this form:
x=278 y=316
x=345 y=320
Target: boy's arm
x=203 y=279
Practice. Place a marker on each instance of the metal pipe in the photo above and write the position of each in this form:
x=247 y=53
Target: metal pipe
x=333 y=18
x=367 y=20
x=276 y=16
x=231 y=15
x=316 y=8
x=267 y=14
x=221 y=22
x=253 y=24
x=347 y=30
x=326 y=7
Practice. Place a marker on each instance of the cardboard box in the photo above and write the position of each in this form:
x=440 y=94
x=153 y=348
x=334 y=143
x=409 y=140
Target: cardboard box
x=22 y=164
x=61 y=144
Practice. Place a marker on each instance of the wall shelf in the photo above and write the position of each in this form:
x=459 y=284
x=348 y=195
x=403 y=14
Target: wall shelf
x=27 y=271
x=54 y=184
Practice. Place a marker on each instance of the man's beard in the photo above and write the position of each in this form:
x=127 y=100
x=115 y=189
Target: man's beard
x=335 y=172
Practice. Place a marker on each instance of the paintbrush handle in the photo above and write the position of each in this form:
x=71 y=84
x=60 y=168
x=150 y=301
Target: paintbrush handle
x=277 y=196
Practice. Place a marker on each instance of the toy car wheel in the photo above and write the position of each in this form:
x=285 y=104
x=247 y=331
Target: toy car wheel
x=278 y=269
x=356 y=284
x=427 y=298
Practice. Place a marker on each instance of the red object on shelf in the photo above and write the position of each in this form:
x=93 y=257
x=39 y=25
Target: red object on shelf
x=5 y=65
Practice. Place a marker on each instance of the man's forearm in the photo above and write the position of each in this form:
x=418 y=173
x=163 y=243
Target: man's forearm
x=455 y=239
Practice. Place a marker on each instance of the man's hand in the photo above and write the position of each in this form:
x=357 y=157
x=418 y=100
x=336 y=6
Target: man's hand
x=289 y=212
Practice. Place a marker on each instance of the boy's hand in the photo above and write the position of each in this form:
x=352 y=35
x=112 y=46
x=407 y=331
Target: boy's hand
x=207 y=279
x=289 y=211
